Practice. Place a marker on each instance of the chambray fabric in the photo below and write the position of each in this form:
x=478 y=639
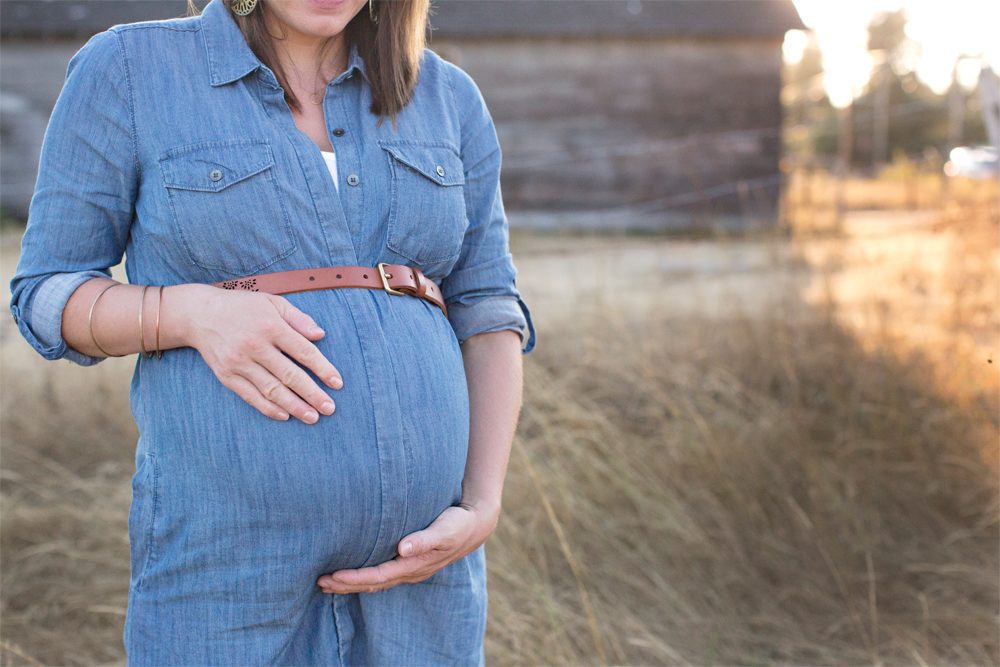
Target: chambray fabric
x=171 y=144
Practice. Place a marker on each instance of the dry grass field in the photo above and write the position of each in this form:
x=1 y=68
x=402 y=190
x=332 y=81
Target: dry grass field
x=771 y=450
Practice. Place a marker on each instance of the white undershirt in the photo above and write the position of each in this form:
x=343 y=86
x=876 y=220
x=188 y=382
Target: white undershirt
x=331 y=163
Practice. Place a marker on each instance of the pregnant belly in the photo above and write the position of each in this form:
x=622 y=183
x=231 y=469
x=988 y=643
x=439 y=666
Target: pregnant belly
x=233 y=486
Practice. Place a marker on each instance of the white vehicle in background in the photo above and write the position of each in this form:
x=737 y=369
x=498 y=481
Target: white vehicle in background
x=979 y=162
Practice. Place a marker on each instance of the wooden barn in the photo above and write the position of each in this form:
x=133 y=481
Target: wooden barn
x=612 y=114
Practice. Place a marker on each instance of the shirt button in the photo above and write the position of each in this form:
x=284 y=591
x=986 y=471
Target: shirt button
x=440 y=170
x=216 y=175
x=338 y=131
x=353 y=179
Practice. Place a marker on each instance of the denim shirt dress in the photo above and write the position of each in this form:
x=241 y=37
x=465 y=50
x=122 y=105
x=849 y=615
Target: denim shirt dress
x=171 y=144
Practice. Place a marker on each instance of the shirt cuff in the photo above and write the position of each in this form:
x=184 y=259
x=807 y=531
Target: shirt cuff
x=491 y=314
x=45 y=311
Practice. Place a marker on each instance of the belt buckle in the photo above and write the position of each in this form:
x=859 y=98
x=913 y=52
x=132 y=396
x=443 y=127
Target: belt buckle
x=385 y=281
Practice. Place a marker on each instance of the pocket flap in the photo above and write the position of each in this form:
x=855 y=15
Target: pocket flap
x=442 y=164
x=211 y=166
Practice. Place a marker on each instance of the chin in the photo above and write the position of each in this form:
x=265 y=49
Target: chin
x=323 y=18
x=319 y=18
x=329 y=9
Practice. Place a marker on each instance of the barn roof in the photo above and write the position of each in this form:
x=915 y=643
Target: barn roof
x=680 y=18
x=457 y=18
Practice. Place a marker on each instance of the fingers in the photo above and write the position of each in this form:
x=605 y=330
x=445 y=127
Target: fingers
x=303 y=350
x=447 y=532
x=385 y=575
x=299 y=321
x=293 y=377
x=246 y=390
x=449 y=537
x=424 y=541
x=274 y=388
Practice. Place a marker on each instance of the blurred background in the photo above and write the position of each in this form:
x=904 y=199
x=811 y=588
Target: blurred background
x=761 y=244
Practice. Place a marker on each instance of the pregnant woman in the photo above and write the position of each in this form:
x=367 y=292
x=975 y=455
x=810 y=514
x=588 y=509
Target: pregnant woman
x=288 y=250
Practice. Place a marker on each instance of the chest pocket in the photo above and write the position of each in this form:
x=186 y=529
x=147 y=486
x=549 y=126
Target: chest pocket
x=227 y=208
x=427 y=216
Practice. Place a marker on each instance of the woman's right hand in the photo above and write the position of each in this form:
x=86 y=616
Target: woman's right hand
x=245 y=336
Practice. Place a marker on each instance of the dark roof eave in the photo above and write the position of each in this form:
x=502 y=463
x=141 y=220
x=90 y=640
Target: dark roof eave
x=670 y=18
x=457 y=18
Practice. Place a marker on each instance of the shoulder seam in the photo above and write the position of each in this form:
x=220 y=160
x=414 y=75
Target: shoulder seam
x=474 y=104
x=119 y=41
x=454 y=102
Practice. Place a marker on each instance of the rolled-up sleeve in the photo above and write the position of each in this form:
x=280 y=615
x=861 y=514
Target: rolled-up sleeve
x=481 y=290
x=81 y=211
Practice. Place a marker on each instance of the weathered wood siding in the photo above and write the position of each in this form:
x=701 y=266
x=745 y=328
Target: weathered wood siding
x=632 y=132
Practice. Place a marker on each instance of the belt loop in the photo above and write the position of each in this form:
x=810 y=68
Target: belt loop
x=421 y=281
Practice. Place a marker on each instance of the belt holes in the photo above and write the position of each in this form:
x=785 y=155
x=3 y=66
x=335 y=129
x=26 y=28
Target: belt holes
x=338 y=276
x=312 y=277
x=366 y=275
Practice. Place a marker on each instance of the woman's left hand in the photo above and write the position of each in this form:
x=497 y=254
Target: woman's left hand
x=455 y=533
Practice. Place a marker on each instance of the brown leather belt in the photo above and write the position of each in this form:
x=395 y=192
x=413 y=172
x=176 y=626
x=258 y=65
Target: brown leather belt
x=396 y=279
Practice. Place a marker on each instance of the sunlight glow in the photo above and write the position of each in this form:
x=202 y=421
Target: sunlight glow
x=943 y=31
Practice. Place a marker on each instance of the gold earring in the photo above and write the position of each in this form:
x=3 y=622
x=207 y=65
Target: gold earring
x=243 y=7
x=371 y=12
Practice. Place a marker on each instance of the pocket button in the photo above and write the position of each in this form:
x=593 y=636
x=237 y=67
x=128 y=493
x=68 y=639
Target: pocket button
x=215 y=175
x=440 y=170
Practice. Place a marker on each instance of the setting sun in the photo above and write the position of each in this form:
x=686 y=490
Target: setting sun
x=942 y=32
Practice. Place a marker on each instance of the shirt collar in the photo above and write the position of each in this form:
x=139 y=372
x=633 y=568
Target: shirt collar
x=230 y=57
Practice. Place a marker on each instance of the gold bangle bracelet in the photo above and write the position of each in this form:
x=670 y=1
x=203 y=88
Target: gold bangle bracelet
x=159 y=305
x=90 y=320
x=142 y=338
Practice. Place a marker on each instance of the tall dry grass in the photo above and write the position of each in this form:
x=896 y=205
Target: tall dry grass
x=751 y=492
x=767 y=489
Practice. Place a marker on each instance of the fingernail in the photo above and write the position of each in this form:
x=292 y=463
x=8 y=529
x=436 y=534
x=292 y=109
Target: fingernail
x=335 y=382
x=318 y=331
x=283 y=416
x=327 y=408
x=406 y=549
x=312 y=417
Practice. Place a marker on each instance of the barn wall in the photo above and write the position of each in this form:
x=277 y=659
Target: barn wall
x=598 y=133
x=32 y=74
x=689 y=130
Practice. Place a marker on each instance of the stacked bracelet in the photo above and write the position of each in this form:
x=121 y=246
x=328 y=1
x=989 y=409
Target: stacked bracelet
x=142 y=340
x=159 y=303
x=90 y=321
x=149 y=354
x=158 y=353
